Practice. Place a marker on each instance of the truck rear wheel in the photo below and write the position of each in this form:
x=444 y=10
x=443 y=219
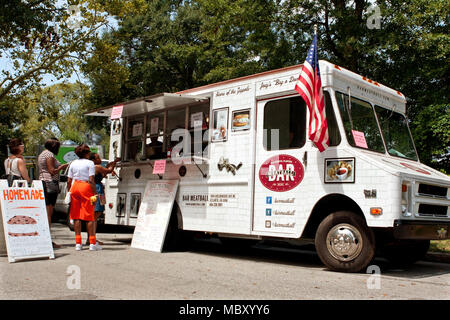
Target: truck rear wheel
x=344 y=242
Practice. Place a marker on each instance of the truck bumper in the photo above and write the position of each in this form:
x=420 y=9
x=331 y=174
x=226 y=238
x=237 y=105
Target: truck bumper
x=421 y=230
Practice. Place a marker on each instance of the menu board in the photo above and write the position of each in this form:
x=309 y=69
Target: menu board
x=154 y=215
x=25 y=221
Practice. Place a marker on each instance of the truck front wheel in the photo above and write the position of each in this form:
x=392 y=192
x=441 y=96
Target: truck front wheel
x=344 y=242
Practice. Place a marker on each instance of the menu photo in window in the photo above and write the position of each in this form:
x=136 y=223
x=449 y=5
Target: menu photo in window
x=220 y=125
x=241 y=120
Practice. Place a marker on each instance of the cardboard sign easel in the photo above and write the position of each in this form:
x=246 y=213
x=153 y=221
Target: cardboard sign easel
x=25 y=222
x=154 y=215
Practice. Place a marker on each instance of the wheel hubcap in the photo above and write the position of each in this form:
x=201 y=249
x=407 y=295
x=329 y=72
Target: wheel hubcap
x=344 y=242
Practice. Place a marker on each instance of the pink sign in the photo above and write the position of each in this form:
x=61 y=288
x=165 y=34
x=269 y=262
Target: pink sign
x=117 y=112
x=360 y=139
x=281 y=173
x=159 y=167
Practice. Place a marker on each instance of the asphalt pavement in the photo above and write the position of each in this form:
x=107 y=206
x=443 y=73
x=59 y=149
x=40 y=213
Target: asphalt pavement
x=207 y=271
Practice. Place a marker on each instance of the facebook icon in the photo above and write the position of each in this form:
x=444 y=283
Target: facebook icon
x=268 y=200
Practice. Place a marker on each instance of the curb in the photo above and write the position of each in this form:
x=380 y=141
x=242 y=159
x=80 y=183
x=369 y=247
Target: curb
x=437 y=257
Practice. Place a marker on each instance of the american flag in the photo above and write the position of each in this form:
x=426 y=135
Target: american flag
x=309 y=86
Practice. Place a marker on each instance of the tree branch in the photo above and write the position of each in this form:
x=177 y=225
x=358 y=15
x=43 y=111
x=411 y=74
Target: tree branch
x=44 y=65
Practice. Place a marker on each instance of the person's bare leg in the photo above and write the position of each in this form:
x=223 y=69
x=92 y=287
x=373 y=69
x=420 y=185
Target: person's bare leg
x=77 y=229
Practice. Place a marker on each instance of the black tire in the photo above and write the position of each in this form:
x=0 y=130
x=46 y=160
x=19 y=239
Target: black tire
x=344 y=242
x=403 y=253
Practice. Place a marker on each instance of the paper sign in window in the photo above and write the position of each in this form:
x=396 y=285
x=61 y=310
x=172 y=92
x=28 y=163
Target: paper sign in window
x=154 y=122
x=159 y=167
x=137 y=130
x=117 y=112
x=360 y=139
x=197 y=120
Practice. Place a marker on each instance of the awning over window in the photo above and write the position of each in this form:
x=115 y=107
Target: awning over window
x=149 y=104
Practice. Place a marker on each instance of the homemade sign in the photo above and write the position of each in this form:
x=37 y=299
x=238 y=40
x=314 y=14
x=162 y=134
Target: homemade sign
x=25 y=221
x=154 y=215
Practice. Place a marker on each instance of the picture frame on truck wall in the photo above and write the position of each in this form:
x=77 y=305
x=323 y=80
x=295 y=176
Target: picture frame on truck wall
x=339 y=170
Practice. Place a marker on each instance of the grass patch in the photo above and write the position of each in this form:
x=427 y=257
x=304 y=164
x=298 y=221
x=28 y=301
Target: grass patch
x=440 y=246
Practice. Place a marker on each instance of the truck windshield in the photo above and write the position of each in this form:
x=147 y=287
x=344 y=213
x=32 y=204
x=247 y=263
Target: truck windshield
x=396 y=134
x=360 y=124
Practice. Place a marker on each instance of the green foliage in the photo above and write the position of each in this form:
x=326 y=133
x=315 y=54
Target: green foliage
x=57 y=111
x=432 y=135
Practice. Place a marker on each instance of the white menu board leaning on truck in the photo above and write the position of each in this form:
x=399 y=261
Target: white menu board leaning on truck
x=154 y=215
x=25 y=221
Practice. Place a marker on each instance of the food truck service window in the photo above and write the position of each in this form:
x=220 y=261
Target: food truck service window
x=154 y=137
x=176 y=119
x=284 y=124
x=198 y=125
x=134 y=138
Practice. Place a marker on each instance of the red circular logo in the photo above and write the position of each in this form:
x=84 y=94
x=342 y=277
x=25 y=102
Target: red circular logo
x=410 y=166
x=281 y=173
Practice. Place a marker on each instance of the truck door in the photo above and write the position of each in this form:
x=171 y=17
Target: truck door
x=279 y=171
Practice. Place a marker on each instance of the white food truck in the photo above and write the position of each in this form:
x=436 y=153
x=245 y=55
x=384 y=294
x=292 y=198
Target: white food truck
x=247 y=170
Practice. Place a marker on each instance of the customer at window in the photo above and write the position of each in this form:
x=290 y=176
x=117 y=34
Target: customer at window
x=81 y=185
x=49 y=168
x=100 y=173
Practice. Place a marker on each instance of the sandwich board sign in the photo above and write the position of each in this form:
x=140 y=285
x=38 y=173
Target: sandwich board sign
x=25 y=222
x=154 y=215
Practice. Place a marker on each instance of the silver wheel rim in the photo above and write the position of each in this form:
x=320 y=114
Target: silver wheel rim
x=344 y=242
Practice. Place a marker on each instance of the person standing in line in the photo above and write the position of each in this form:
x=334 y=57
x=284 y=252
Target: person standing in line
x=100 y=173
x=15 y=163
x=81 y=185
x=49 y=169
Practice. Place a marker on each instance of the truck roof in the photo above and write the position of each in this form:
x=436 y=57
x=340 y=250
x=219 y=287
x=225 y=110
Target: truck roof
x=331 y=75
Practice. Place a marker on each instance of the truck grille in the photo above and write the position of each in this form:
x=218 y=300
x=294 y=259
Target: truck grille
x=431 y=210
x=432 y=191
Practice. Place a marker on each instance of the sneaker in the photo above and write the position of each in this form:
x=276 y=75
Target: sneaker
x=78 y=247
x=95 y=247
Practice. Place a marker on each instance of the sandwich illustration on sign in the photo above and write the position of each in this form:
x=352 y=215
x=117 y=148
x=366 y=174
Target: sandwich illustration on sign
x=20 y=226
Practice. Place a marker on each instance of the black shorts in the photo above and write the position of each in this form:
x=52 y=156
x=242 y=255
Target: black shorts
x=50 y=197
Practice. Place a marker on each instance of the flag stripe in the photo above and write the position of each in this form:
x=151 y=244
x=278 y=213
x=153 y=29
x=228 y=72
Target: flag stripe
x=309 y=87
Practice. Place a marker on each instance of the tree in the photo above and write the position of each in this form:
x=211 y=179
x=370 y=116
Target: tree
x=58 y=111
x=38 y=37
x=174 y=45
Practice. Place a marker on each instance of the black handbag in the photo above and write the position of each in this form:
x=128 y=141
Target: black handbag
x=10 y=178
x=52 y=186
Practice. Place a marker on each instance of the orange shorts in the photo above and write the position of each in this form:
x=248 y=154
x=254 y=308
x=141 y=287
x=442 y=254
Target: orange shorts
x=80 y=204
